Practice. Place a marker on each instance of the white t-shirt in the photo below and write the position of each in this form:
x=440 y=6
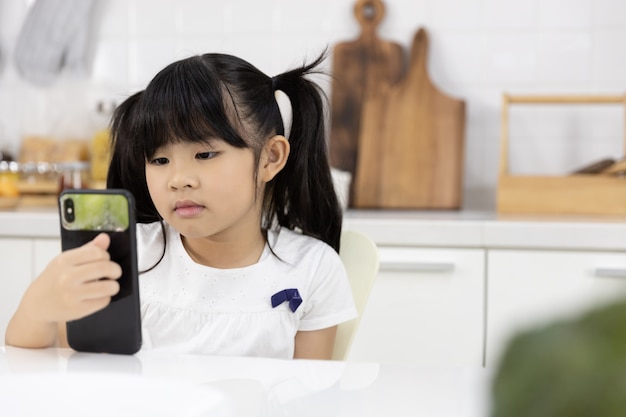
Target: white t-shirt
x=191 y=308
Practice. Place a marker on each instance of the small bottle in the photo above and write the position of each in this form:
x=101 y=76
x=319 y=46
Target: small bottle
x=101 y=144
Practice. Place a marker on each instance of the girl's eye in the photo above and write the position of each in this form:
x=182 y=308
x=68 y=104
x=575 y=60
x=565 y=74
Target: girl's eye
x=206 y=155
x=159 y=161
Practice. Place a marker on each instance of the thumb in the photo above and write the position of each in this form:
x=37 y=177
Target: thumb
x=102 y=241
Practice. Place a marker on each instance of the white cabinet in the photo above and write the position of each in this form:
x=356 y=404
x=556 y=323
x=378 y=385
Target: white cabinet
x=426 y=307
x=43 y=252
x=15 y=255
x=21 y=260
x=532 y=287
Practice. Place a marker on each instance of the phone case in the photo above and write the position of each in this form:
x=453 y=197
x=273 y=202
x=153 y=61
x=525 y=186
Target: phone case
x=84 y=214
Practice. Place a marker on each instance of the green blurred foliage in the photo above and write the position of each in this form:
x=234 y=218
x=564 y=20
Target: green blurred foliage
x=569 y=368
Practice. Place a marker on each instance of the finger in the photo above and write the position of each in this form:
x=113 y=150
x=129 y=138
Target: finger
x=105 y=288
x=94 y=271
x=71 y=280
x=90 y=306
x=102 y=241
x=88 y=298
x=89 y=252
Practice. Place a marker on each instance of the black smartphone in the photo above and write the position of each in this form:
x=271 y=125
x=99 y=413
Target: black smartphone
x=84 y=214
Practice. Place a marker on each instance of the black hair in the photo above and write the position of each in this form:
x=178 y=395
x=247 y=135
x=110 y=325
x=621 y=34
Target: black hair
x=222 y=96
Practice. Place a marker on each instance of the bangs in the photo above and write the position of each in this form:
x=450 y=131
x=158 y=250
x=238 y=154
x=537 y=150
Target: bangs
x=187 y=102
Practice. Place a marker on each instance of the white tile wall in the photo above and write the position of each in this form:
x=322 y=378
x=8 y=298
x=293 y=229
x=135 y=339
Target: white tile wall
x=510 y=14
x=565 y=14
x=478 y=50
x=559 y=57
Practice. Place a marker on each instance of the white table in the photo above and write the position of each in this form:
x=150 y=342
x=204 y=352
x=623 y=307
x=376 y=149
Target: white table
x=67 y=383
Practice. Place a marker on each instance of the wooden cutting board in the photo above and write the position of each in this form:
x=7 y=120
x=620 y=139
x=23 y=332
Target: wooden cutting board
x=359 y=69
x=418 y=156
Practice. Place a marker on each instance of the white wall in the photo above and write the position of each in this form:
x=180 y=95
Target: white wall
x=478 y=50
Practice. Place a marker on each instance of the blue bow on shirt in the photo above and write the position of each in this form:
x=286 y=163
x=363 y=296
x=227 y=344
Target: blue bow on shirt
x=291 y=294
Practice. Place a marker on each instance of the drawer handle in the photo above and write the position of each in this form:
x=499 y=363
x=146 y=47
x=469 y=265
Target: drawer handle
x=610 y=272
x=408 y=266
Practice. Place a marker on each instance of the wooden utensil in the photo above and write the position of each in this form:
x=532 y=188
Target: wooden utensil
x=617 y=169
x=422 y=141
x=596 y=167
x=359 y=68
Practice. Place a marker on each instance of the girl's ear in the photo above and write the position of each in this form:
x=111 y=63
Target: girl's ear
x=274 y=157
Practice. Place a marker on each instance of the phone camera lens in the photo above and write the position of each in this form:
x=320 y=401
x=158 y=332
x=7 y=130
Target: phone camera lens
x=68 y=210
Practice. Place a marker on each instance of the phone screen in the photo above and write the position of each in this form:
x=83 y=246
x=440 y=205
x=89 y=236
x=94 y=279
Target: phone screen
x=95 y=211
x=84 y=214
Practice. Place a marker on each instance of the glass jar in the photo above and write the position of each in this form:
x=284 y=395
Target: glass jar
x=9 y=170
x=9 y=177
x=73 y=175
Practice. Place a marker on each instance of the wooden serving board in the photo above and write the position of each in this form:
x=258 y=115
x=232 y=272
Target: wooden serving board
x=418 y=156
x=360 y=68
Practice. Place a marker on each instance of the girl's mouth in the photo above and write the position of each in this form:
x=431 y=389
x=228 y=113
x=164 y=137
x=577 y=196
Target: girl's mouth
x=188 y=208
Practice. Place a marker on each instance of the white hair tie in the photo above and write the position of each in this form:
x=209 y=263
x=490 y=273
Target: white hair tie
x=284 y=106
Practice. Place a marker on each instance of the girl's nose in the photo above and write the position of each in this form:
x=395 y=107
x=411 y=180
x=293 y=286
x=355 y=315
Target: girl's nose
x=182 y=178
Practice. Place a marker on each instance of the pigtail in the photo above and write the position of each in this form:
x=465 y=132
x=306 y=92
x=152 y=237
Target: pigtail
x=126 y=168
x=303 y=195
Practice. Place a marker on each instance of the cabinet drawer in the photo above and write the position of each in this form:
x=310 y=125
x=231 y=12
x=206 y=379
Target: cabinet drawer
x=527 y=288
x=15 y=255
x=43 y=252
x=426 y=307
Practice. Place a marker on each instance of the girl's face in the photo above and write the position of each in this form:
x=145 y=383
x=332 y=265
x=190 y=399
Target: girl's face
x=205 y=190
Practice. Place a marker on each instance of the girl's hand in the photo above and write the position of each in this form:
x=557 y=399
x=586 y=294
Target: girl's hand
x=72 y=285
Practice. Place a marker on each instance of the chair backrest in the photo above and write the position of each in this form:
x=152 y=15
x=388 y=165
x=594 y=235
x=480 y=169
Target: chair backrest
x=360 y=258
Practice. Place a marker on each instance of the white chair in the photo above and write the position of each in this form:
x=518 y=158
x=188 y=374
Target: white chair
x=360 y=258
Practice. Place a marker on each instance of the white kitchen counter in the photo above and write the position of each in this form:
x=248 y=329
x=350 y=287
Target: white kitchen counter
x=420 y=228
x=29 y=223
x=489 y=230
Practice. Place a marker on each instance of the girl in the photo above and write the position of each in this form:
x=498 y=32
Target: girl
x=238 y=222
